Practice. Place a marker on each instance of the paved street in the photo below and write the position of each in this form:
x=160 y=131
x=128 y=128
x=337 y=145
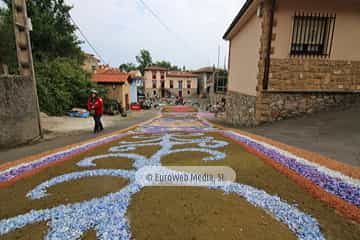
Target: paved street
x=67 y=138
x=334 y=134
x=128 y=185
x=179 y=120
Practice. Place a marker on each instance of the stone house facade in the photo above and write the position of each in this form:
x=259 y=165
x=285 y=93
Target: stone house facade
x=288 y=58
x=212 y=84
x=91 y=63
x=117 y=84
x=161 y=83
x=205 y=80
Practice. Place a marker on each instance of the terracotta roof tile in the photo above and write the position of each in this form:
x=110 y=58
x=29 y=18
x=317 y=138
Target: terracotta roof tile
x=110 y=76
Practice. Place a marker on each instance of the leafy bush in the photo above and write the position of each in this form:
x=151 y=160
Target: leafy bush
x=7 y=41
x=62 y=84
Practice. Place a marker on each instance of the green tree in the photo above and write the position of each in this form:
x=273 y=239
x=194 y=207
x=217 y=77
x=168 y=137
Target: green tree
x=62 y=85
x=144 y=60
x=61 y=81
x=164 y=64
x=167 y=64
x=54 y=33
x=175 y=68
x=127 y=67
x=7 y=40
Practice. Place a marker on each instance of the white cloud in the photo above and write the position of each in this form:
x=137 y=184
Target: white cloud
x=120 y=28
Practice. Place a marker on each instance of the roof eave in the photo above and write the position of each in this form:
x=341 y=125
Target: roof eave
x=237 y=18
x=112 y=82
x=155 y=68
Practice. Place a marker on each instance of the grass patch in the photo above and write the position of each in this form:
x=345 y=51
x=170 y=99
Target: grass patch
x=174 y=213
x=253 y=171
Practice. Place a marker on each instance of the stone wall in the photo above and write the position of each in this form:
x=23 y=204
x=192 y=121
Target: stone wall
x=314 y=74
x=216 y=97
x=273 y=106
x=18 y=111
x=297 y=86
x=240 y=109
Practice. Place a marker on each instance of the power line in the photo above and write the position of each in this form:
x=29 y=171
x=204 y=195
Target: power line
x=87 y=40
x=158 y=18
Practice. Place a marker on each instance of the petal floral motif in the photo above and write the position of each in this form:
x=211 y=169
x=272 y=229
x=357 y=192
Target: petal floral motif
x=107 y=214
x=331 y=181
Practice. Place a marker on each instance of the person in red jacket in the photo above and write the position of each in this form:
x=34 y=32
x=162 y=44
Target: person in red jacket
x=95 y=105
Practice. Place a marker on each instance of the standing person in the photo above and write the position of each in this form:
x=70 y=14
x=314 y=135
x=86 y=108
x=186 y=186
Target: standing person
x=95 y=105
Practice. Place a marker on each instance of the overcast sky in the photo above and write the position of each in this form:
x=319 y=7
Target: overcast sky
x=120 y=28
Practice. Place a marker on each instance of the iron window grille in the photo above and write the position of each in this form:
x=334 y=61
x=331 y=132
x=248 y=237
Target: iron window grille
x=312 y=34
x=154 y=84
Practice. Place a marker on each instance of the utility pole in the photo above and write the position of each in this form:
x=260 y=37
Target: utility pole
x=4 y=69
x=22 y=28
x=218 y=65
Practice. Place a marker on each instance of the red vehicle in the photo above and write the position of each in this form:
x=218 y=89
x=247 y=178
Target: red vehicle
x=135 y=106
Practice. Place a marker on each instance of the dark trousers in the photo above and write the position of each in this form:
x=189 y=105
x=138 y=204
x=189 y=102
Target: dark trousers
x=98 y=124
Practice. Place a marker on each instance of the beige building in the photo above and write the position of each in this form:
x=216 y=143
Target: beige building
x=91 y=63
x=289 y=58
x=205 y=80
x=159 y=82
x=117 y=84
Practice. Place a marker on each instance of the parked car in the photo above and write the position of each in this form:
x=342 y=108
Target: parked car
x=113 y=107
x=135 y=106
x=78 y=112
